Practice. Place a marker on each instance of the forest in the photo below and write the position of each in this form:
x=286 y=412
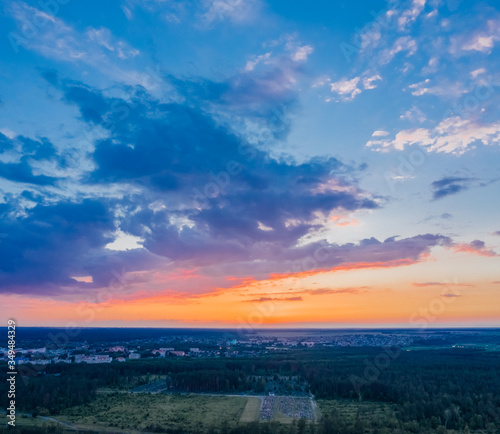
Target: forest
x=452 y=390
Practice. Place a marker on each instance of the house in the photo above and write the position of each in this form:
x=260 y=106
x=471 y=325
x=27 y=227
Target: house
x=178 y=353
x=81 y=358
x=36 y=350
x=134 y=356
x=41 y=362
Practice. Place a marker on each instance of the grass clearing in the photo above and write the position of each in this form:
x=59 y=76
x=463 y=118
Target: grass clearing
x=146 y=412
x=251 y=412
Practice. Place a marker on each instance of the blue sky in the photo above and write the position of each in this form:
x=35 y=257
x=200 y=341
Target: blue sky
x=233 y=137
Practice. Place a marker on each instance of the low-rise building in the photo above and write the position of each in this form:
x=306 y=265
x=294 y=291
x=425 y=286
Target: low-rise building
x=161 y=352
x=81 y=358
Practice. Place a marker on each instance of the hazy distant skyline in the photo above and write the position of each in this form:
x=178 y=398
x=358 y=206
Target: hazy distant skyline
x=242 y=163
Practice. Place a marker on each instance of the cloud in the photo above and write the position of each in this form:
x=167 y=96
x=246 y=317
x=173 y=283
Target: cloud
x=425 y=284
x=198 y=195
x=476 y=247
x=350 y=290
x=258 y=100
x=410 y=15
x=447 y=284
x=57 y=40
x=215 y=203
x=477 y=72
x=414 y=114
x=348 y=89
x=264 y=299
x=24 y=160
x=301 y=53
x=104 y=38
x=452 y=185
x=402 y=44
x=453 y=135
x=482 y=40
x=45 y=247
x=236 y=11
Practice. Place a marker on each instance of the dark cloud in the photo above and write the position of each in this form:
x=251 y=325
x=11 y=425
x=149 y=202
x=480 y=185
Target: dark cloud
x=266 y=95
x=30 y=150
x=450 y=185
x=43 y=249
x=227 y=187
x=200 y=197
x=22 y=172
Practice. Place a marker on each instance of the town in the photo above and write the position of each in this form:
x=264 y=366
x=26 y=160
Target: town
x=214 y=344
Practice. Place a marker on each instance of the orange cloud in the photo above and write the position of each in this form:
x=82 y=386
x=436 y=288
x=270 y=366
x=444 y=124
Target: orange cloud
x=263 y=299
x=476 y=247
x=343 y=221
x=345 y=267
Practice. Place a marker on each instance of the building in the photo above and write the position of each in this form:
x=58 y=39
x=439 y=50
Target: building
x=41 y=362
x=178 y=353
x=36 y=350
x=81 y=358
x=134 y=356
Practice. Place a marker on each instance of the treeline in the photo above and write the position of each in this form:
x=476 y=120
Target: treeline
x=211 y=381
x=56 y=387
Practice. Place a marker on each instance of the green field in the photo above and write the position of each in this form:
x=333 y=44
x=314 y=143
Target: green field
x=143 y=412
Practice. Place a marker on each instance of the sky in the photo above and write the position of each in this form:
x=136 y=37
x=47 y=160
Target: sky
x=250 y=163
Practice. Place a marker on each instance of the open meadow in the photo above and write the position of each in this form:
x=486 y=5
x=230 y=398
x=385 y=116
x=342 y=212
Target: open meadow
x=143 y=412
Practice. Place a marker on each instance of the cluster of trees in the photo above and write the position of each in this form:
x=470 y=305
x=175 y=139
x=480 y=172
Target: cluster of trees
x=210 y=380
